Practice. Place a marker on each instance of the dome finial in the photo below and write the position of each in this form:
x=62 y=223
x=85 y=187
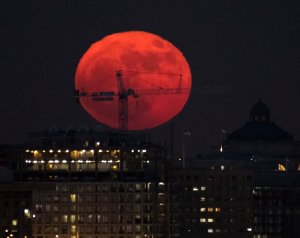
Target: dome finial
x=260 y=112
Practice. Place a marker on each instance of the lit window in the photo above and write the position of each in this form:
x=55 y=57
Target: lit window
x=203 y=188
x=65 y=218
x=210 y=209
x=202 y=209
x=74 y=154
x=14 y=222
x=281 y=167
x=73 y=197
x=210 y=230
x=26 y=213
x=73 y=229
x=210 y=220
x=195 y=189
x=222 y=167
x=202 y=199
x=36 y=154
x=217 y=209
x=202 y=220
x=138 y=187
x=73 y=218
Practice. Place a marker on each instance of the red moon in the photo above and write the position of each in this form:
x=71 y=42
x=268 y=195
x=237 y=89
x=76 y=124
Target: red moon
x=133 y=80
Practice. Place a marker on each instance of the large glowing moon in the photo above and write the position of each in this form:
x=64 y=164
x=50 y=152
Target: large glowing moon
x=133 y=80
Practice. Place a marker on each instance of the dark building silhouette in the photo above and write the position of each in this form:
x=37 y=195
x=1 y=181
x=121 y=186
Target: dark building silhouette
x=275 y=159
x=91 y=183
x=260 y=127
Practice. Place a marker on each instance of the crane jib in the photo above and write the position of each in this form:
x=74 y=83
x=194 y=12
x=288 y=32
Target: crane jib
x=103 y=96
x=103 y=93
x=97 y=99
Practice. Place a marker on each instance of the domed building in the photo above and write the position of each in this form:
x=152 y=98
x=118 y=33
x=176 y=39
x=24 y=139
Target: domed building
x=260 y=127
x=261 y=138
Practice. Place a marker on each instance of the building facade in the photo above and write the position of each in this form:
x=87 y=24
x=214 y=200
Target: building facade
x=88 y=186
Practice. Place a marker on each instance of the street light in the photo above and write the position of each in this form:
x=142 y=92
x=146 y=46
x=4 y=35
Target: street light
x=221 y=147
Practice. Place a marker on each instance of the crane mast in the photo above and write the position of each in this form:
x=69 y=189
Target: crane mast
x=123 y=101
x=123 y=93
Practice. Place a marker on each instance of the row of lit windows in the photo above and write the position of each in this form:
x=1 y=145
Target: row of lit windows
x=218 y=230
x=210 y=209
x=80 y=153
x=218 y=198
x=93 y=218
x=204 y=220
x=158 y=234
x=218 y=219
x=105 y=187
x=99 y=198
x=101 y=236
x=56 y=161
x=218 y=188
x=111 y=208
x=217 y=209
x=114 y=229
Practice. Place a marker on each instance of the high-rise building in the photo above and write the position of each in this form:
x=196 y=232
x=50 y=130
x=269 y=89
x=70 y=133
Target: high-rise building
x=274 y=157
x=86 y=184
x=215 y=198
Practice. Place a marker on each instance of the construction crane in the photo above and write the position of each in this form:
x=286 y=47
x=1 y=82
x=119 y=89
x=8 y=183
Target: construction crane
x=123 y=93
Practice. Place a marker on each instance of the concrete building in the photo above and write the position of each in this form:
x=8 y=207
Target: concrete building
x=215 y=198
x=96 y=185
x=274 y=156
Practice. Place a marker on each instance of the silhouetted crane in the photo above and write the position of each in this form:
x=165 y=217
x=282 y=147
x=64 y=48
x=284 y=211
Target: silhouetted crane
x=123 y=94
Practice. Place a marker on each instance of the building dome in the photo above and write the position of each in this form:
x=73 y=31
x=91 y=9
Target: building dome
x=260 y=112
x=259 y=128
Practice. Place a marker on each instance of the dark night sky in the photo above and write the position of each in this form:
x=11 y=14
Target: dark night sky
x=251 y=46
